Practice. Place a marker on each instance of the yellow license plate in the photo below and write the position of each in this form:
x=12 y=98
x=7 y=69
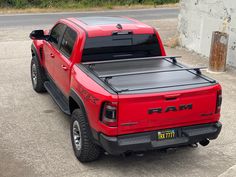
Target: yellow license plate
x=166 y=134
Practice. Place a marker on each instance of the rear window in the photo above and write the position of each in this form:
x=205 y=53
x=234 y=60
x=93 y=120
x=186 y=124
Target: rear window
x=121 y=47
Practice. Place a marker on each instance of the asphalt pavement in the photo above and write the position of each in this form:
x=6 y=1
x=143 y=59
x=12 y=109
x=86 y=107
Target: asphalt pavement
x=14 y=20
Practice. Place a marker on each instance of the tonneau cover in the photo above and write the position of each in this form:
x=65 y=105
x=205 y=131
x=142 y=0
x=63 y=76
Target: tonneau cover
x=149 y=82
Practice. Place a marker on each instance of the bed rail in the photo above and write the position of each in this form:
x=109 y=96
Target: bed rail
x=173 y=58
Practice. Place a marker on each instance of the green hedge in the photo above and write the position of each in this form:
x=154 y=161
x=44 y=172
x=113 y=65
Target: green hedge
x=77 y=3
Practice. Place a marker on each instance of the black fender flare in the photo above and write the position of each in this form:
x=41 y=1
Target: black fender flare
x=35 y=52
x=78 y=100
x=36 y=55
x=80 y=103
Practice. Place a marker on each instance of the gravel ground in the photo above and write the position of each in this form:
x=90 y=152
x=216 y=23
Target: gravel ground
x=35 y=138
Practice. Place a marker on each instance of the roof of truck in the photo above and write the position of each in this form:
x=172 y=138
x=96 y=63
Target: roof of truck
x=106 y=25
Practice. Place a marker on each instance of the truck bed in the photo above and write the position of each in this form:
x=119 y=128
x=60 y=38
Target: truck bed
x=150 y=75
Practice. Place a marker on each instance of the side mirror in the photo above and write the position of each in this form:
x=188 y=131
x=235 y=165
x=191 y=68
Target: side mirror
x=37 y=35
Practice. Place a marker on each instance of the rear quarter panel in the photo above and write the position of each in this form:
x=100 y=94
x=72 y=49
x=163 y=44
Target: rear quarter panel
x=93 y=96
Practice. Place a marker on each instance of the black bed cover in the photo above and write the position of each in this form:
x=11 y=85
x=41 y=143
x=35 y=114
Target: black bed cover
x=144 y=75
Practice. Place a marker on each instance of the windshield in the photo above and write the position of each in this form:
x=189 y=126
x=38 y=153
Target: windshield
x=120 y=47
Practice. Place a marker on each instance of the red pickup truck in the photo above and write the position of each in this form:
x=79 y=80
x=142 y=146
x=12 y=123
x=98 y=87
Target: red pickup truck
x=112 y=75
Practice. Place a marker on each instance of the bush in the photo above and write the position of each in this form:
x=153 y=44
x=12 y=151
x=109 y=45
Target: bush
x=77 y=3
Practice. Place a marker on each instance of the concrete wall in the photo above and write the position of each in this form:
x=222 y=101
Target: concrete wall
x=199 y=18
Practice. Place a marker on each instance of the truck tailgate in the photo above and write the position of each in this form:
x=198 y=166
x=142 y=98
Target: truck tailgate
x=145 y=112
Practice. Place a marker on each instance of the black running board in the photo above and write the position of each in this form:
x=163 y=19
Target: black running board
x=57 y=96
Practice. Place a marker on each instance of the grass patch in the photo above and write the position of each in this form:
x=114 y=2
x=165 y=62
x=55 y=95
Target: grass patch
x=172 y=42
x=78 y=4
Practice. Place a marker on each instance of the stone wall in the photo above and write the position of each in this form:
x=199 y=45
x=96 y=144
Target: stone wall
x=199 y=18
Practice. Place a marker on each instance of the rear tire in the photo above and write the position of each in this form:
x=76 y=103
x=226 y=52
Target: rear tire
x=37 y=76
x=81 y=137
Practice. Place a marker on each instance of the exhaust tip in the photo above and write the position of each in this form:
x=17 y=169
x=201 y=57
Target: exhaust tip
x=195 y=145
x=204 y=142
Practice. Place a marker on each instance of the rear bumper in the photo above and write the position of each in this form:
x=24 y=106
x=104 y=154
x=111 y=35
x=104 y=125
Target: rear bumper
x=147 y=141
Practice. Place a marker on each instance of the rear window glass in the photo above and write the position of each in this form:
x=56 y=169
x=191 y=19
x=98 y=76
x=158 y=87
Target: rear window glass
x=120 y=47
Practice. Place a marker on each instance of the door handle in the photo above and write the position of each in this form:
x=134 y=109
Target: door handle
x=64 y=67
x=171 y=97
x=52 y=56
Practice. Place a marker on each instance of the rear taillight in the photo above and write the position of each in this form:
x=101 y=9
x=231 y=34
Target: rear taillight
x=218 y=101
x=109 y=114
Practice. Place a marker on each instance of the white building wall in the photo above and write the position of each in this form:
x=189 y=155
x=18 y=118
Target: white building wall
x=199 y=18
